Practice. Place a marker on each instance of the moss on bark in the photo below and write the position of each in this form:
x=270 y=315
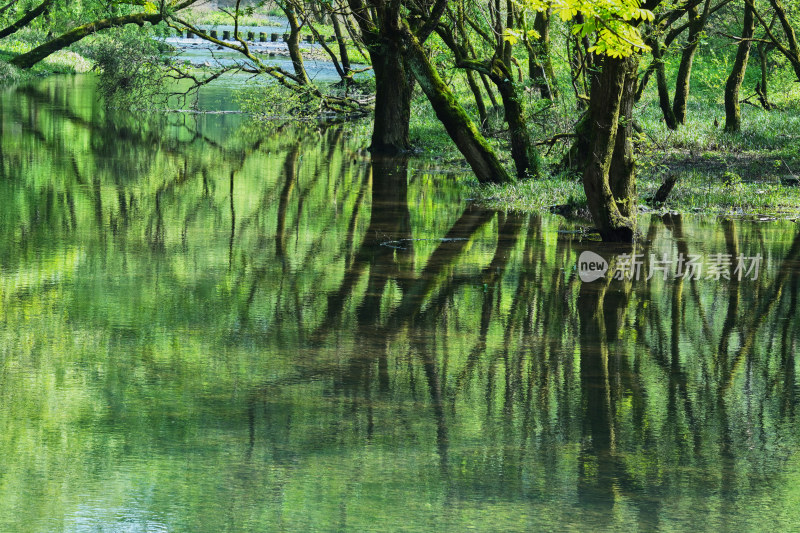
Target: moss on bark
x=459 y=126
x=611 y=90
x=733 y=114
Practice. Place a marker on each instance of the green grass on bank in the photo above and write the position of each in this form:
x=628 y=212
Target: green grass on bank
x=746 y=173
x=720 y=173
x=217 y=18
x=694 y=193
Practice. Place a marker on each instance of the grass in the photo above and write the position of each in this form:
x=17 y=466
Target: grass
x=533 y=195
x=694 y=193
x=214 y=17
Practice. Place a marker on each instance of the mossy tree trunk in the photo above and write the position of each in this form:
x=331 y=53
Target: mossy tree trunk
x=26 y=19
x=522 y=150
x=480 y=156
x=581 y=65
x=578 y=154
x=501 y=73
x=612 y=95
x=540 y=63
x=622 y=173
x=733 y=116
x=762 y=87
x=479 y=103
x=30 y=58
x=499 y=69
x=697 y=21
x=792 y=49
x=664 y=100
x=293 y=43
x=488 y=87
x=381 y=33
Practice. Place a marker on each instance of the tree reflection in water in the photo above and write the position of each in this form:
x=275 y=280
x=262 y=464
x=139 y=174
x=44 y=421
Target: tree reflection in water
x=272 y=328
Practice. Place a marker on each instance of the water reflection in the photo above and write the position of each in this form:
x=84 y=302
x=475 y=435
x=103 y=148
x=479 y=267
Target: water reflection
x=209 y=326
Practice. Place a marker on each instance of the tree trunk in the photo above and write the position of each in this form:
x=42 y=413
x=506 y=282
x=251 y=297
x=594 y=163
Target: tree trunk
x=7 y=6
x=578 y=154
x=488 y=87
x=27 y=18
x=793 y=54
x=696 y=23
x=381 y=33
x=733 y=116
x=762 y=87
x=28 y=59
x=622 y=175
x=393 y=89
x=540 y=64
x=470 y=142
x=525 y=159
x=476 y=92
x=294 y=43
x=661 y=80
x=484 y=79
x=343 y=55
x=610 y=86
x=74 y=35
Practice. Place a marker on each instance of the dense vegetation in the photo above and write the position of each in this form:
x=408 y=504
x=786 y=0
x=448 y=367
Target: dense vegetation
x=523 y=90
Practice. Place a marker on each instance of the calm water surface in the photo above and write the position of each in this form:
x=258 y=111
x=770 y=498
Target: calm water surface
x=207 y=326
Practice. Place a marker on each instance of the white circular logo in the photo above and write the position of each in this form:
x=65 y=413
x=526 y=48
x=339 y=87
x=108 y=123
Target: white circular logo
x=591 y=266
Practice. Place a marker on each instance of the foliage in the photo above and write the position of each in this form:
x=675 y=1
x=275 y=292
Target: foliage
x=269 y=101
x=131 y=65
x=275 y=101
x=8 y=74
x=251 y=17
x=613 y=22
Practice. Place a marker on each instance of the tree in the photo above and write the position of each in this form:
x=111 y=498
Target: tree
x=462 y=130
x=500 y=39
x=733 y=118
x=697 y=21
x=674 y=110
x=26 y=19
x=608 y=179
x=609 y=174
x=380 y=24
x=148 y=15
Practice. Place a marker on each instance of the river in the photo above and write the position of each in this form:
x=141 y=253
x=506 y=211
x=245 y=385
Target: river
x=212 y=326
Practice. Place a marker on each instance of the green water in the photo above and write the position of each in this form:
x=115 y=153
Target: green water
x=207 y=327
